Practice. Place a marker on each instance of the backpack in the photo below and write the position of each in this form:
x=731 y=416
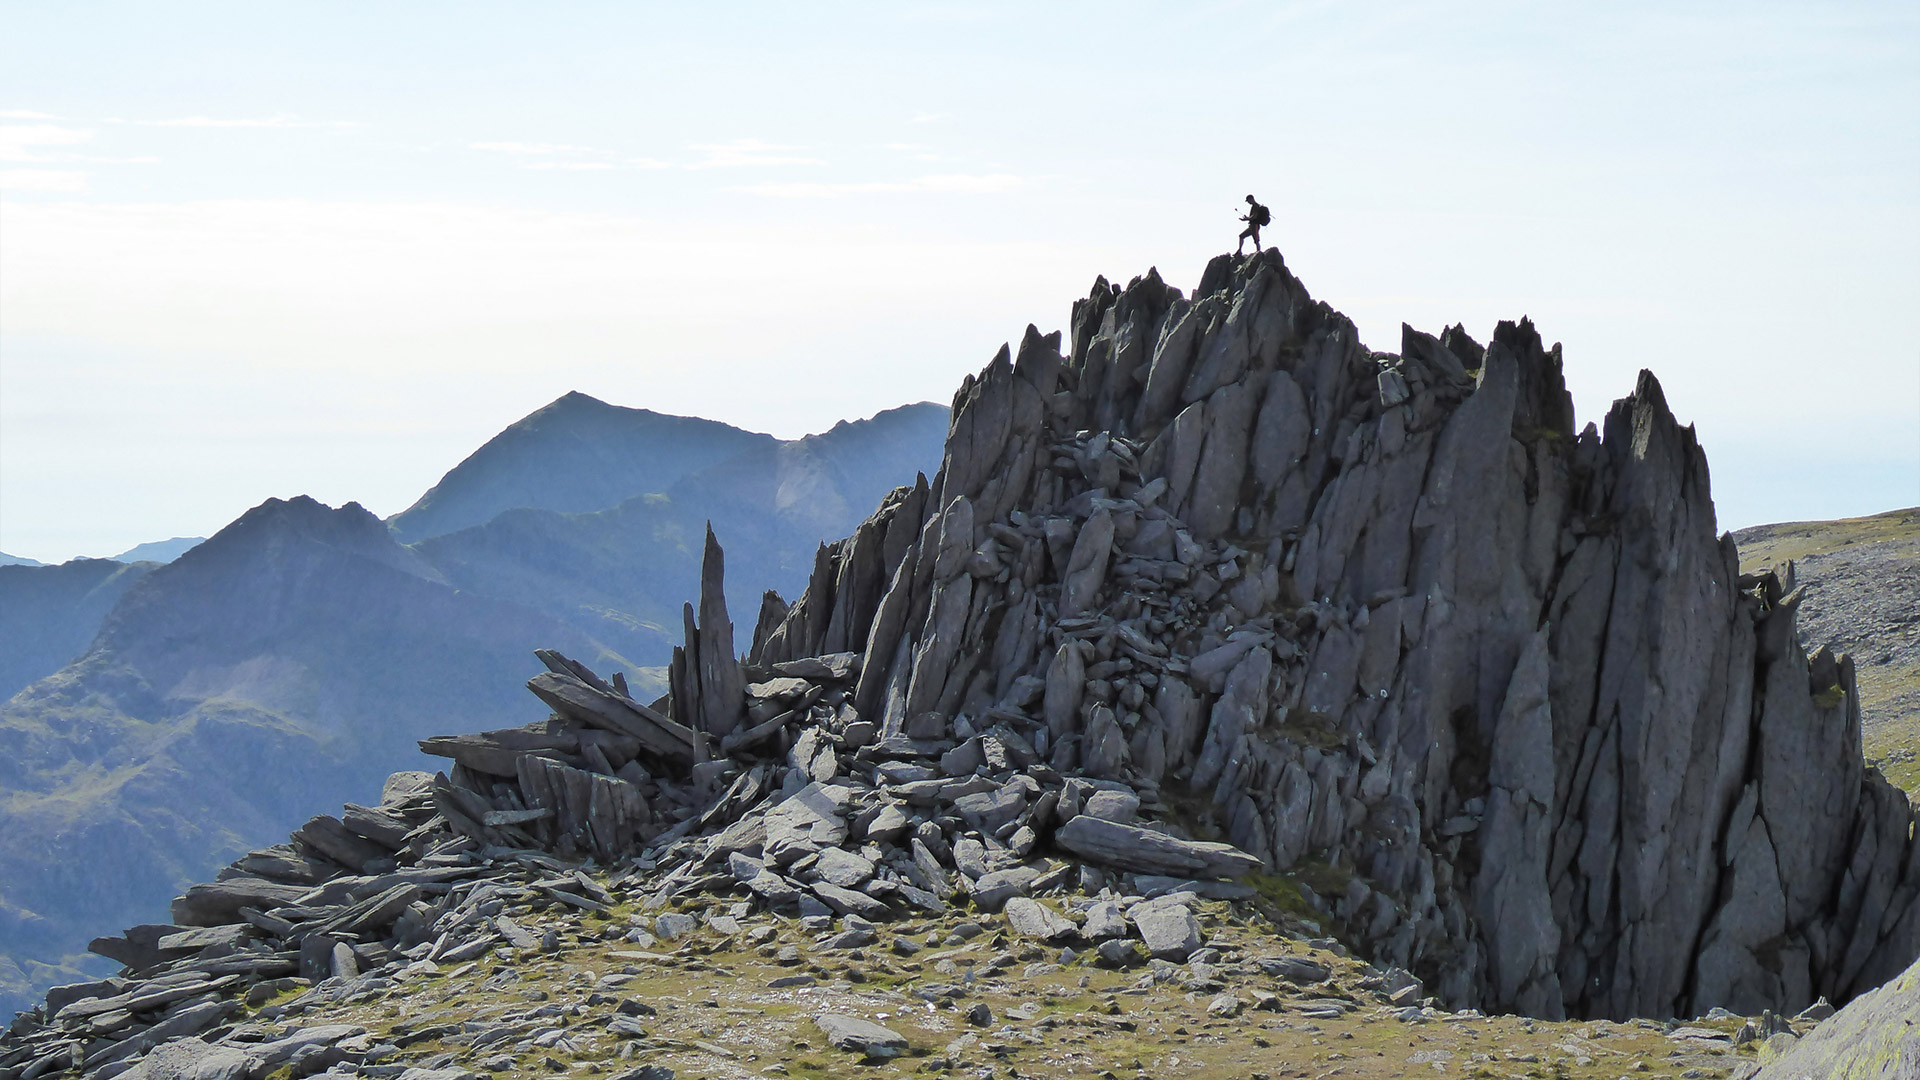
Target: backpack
x=1259 y=216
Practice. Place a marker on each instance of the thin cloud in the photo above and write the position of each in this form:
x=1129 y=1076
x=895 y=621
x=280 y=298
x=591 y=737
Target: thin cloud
x=42 y=180
x=746 y=153
x=281 y=120
x=993 y=183
x=739 y=153
x=25 y=114
x=918 y=151
x=947 y=13
x=928 y=117
x=26 y=142
x=527 y=148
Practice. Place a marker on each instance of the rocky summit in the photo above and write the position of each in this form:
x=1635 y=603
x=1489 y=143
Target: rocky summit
x=1221 y=657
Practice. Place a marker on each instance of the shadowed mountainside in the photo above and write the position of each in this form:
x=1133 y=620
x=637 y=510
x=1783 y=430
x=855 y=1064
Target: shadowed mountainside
x=291 y=659
x=577 y=454
x=48 y=614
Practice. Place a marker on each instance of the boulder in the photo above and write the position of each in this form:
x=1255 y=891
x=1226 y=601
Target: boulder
x=838 y=866
x=1169 y=931
x=1130 y=847
x=991 y=891
x=1877 y=1035
x=191 y=1059
x=1032 y=919
x=859 y=1036
x=813 y=819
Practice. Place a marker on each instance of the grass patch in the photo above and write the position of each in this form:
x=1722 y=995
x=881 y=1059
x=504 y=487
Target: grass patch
x=1283 y=893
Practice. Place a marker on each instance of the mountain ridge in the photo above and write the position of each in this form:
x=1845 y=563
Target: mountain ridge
x=159 y=550
x=576 y=454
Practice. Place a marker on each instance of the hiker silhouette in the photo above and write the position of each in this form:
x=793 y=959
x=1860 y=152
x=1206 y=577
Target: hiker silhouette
x=1255 y=217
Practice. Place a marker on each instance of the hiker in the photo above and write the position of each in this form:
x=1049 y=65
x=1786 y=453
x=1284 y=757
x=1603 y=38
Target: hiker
x=1255 y=217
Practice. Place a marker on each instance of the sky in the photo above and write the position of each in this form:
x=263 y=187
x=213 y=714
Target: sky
x=260 y=250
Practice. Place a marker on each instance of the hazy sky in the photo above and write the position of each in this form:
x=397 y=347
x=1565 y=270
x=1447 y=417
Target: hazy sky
x=256 y=250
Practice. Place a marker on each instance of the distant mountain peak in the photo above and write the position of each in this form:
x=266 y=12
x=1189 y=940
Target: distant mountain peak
x=579 y=399
x=278 y=524
x=301 y=512
x=576 y=454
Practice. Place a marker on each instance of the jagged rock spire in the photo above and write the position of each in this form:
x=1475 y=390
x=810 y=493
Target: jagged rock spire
x=1390 y=612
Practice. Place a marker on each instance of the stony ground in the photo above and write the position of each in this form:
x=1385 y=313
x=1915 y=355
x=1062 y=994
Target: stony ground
x=737 y=995
x=1863 y=597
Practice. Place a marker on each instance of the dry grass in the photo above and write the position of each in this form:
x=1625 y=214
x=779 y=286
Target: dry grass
x=715 y=1016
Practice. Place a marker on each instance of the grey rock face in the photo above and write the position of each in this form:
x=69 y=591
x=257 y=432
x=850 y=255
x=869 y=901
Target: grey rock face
x=849 y=902
x=675 y=924
x=1032 y=919
x=1118 y=952
x=719 y=679
x=813 y=819
x=1396 y=613
x=838 y=866
x=1104 y=920
x=993 y=890
x=191 y=1059
x=1119 y=807
x=1877 y=1037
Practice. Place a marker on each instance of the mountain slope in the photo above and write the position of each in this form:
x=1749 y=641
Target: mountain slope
x=49 y=614
x=284 y=663
x=310 y=634
x=1862 y=577
x=578 y=454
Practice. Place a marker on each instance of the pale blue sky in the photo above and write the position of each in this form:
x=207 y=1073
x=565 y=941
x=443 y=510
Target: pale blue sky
x=256 y=250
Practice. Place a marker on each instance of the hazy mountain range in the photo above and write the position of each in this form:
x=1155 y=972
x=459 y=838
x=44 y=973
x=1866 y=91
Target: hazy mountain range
x=158 y=551
x=172 y=701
